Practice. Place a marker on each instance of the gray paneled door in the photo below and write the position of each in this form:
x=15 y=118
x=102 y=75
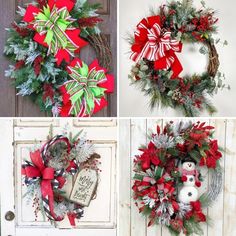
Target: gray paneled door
x=12 y=105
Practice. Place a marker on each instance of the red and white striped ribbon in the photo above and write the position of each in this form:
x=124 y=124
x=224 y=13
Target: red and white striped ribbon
x=157 y=45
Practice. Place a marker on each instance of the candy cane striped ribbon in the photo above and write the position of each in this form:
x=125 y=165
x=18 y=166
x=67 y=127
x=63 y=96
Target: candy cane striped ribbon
x=157 y=45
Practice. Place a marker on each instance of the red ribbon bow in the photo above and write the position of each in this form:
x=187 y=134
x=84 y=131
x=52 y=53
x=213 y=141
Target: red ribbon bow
x=72 y=33
x=46 y=174
x=154 y=44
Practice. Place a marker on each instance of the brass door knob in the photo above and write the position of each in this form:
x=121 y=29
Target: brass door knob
x=10 y=216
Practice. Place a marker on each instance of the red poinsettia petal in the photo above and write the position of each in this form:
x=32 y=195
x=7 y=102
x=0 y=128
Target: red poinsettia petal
x=29 y=14
x=61 y=55
x=151 y=145
x=155 y=161
x=98 y=107
x=211 y=162
x=146 y=165
x=40 y=39
x=74 y=37
x=109 y=84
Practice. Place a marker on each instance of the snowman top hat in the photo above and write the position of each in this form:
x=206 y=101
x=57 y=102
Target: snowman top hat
x=188 y=159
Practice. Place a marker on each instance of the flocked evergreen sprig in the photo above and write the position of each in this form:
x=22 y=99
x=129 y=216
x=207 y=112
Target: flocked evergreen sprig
x=158 y=75
x=39 y=74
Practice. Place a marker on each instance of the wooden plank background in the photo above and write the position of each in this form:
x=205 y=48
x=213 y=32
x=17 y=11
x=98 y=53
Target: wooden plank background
x=19 y=135
x=15 y=106
x=133 y=133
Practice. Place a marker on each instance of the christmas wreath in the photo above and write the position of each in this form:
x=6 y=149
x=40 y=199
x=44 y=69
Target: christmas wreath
x=168 y=175
x=156 y=43
x=44 y=42
x=51 y=169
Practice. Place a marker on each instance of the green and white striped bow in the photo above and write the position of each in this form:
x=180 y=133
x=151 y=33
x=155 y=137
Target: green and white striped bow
x=54 y=23
x=84 y=89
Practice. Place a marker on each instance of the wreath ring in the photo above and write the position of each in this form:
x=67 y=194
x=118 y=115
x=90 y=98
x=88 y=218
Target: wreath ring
x=48 y=170
x=167 y=175
x=44 y=45
x=102 y=49
x=156 y=42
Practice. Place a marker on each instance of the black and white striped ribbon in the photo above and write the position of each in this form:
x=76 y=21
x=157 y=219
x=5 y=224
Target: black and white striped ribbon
x=47 y=208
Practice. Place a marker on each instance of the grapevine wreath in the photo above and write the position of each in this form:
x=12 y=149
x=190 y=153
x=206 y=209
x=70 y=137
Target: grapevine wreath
x=44 y=44
x=168 y=175
x=50 y=169
x=155 y=45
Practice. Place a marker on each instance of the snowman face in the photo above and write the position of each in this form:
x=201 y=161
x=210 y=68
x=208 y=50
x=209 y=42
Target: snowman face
x=189 y=165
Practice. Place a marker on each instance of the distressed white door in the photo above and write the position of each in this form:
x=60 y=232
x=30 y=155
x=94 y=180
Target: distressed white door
x=132 y=134
x=19 y=135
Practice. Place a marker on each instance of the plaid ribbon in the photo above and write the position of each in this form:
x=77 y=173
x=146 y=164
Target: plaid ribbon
x=83 y=89
x=54 y=24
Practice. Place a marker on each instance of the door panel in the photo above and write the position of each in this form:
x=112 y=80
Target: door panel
x=12 y=105
x=99 y=216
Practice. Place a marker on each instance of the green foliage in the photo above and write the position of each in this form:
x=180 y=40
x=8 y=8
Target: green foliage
x=189 y=95
x=84 y=9
x=193 y=227
x=29 y=78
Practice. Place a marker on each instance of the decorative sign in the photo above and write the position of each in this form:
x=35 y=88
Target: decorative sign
x=84 y=187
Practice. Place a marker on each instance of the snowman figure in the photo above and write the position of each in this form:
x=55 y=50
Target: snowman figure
x=189 y=192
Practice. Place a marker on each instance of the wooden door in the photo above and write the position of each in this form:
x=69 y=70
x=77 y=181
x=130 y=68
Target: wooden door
x=19 y=135
x=133 y=133
x=12 y=105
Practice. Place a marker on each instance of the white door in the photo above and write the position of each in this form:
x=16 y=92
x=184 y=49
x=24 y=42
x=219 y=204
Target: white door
x=17 y=136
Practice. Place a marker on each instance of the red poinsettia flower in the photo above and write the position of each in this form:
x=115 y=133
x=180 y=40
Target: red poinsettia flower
x=149 y=156
x=155 y=44
x=198 y=135
x=53 y=32
x=84 y=94
x=212 y=155
x=196 y=212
